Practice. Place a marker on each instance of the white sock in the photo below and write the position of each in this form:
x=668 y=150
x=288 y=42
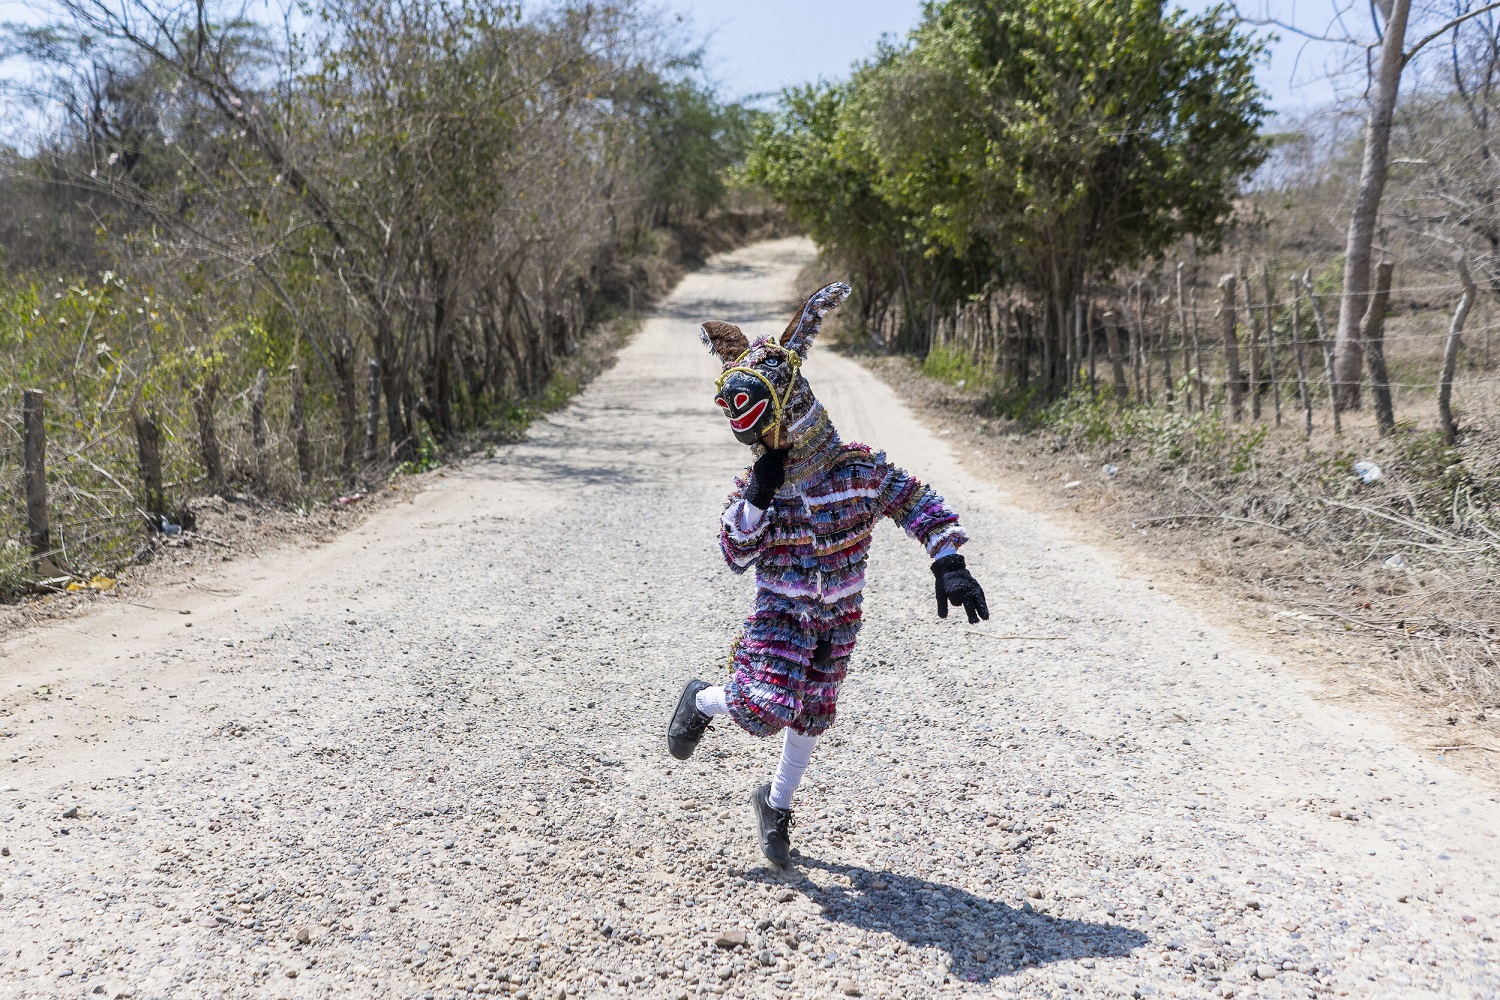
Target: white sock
x=710 y=701
x=796 y=753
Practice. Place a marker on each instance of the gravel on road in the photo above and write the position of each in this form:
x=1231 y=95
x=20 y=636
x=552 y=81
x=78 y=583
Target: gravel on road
x=427 y=759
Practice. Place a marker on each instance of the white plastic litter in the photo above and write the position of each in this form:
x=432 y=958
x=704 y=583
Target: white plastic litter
x=1395 y=563
x=1110 y=470
x=1073 y=485
x=1367 y=472
x=168 y=528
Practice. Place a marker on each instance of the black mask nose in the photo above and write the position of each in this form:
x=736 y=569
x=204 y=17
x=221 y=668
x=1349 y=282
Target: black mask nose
x=746 y=400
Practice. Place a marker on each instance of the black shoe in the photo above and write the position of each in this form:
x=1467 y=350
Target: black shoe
x=688 y=724
x=774 y=826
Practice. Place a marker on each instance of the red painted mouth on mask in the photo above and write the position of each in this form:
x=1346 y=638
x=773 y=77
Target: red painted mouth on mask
x=747 y=420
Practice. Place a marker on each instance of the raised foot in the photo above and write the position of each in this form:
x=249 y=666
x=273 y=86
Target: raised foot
x=688 y=724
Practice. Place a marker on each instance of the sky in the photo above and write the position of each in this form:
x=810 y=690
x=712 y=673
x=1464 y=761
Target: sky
x=764 y=46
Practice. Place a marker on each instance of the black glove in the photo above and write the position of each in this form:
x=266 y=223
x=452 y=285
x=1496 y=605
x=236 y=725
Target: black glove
x=956 y=586
x=766 y=477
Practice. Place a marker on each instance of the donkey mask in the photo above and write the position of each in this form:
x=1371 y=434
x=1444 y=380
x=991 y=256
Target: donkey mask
x=762 y=390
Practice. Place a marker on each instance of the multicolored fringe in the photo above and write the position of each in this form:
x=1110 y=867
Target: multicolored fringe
x=815 y=539
x=810 y=552
x=775 y=684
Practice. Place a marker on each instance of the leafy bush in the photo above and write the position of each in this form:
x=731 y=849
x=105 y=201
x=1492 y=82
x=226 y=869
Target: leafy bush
x=105 y=348
x=444 y=198
x=954 y=365
x=1171 y=435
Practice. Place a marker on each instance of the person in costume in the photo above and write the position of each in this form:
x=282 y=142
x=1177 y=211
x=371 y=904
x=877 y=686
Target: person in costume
x=802 y=515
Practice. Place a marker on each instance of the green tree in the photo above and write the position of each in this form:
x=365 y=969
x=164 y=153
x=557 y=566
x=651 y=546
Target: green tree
x=692 y=139
x=1038 y=142
x=797 y=158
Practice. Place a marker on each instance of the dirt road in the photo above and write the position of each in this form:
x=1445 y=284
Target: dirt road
x=426 y=759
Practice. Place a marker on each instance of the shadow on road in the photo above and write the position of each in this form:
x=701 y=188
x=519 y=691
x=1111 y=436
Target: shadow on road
x=987 y=939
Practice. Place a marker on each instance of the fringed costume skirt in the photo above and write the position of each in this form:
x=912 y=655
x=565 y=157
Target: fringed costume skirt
x=779 y=681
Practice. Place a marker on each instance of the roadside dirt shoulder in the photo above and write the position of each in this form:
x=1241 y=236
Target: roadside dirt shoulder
x=229 y=529
x=1348 y=667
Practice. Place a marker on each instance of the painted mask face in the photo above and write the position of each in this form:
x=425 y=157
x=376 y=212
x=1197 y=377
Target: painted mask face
x=761 y=386
x=755 y=392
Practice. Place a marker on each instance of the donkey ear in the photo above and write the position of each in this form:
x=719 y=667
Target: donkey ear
x=805 y=325
x=724 y=339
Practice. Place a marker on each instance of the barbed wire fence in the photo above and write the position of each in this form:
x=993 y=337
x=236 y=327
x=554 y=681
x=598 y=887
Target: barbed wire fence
x=1204 y=372
x=1249 y=350
x=112 y=484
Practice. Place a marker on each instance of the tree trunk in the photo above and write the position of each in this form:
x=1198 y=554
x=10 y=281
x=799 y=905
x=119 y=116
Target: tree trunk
x=1372 y=336
x=299 y=426
x=208 y=436
x=148 y=452
x=397 y=431
x=1233 y=385
x=1051 y=321
x=343 y=364
x=372 y=412
x=1347 y=355
x=1450 y=355
x=442 y=383
x=258 y=427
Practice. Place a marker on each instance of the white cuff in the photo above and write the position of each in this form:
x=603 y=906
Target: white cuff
x=946 y=549
x=750 y=517
x=744 y=520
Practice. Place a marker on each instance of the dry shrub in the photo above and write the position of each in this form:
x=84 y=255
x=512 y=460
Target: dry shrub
x=1410 y=560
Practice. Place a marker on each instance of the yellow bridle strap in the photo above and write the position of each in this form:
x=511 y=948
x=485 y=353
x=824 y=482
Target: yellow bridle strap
x=794 y=365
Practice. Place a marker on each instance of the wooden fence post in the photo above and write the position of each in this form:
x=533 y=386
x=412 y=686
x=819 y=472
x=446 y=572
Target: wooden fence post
x=1372 y=336
x=372 y=412
x=148 y=452
x=1254 y=375
x=1201 y=379
x=1088 y=330
x=1304 y=390
x=1137 y=338
x=1450 y=354
x=1232 y=374
x=299 y=426
x=1327 y=345
x=1188 y=371
x=1265 y=274
x=34 y=431
x=1164 y=347
x=208 y=437
x=1075 y=370
x=1116 y=356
